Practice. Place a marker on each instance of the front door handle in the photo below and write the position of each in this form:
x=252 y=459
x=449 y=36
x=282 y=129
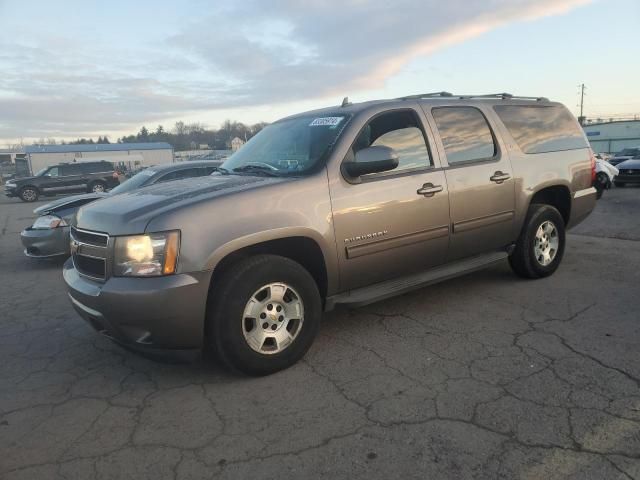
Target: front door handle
x=499 y=177
x=429 y=189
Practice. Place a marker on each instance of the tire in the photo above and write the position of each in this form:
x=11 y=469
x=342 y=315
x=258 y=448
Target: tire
x=619 y=184
x=29 y=194
x=239 y=314
x=528 y=260
x=98 y=187
x=601 y=184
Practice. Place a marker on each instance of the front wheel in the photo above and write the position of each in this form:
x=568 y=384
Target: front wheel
x=539 y=249
x=29 y=194
x=264 y=314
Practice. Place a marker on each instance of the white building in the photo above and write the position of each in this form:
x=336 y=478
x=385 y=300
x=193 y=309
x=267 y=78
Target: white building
x=236 y=143
x=611 y=137
x=132 y=155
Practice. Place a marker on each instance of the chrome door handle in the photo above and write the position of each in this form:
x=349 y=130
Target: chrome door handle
x=499 y=177
x=429 y=189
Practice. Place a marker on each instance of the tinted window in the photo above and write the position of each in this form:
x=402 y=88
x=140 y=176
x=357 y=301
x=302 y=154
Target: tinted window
x=97 y=167
x=465 y=134
x=138 y=180
x=400 y=131
x=67 y=170
x=52 y=172
x=539 y=129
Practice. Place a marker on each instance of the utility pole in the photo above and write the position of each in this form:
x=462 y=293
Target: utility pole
x=581 y=117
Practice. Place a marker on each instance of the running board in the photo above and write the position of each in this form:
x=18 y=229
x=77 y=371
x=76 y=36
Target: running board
x=380 y=291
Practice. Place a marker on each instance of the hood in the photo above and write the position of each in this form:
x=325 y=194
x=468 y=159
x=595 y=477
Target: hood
x=22 y=179
x=130 y=212
x=629 y=165
x=67 y=202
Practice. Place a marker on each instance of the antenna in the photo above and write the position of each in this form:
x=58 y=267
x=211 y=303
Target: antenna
x=345 y=102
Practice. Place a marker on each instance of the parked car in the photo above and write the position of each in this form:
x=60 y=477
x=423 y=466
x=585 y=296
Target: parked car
x=49 y=234
x=93 y=177
x=344 y=205
x=605 y=174
x=626 y=154
x=629 y=172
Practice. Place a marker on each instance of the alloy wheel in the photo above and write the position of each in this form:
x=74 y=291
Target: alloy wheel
x=546 y=242
x=272 y=318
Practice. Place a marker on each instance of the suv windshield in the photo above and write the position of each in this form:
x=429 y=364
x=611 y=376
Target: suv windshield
x=288 y=147
x=134 y=182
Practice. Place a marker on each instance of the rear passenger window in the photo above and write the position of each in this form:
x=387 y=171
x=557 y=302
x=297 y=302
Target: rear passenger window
x=465 y=134
x=540 y=129
x=398 y=130
x=68 y=170
x=97 y=167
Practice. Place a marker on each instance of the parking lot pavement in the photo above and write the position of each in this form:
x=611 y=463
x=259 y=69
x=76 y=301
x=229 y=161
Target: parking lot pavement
x=486 y=376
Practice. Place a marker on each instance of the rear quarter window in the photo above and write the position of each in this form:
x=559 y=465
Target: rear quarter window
x=541 y=129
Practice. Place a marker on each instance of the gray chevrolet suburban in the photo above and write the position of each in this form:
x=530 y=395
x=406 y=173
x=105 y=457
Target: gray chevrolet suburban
x=344 y=205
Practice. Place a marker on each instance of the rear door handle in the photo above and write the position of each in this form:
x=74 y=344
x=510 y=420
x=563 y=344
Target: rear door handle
x=429 y=189
x=499 y=177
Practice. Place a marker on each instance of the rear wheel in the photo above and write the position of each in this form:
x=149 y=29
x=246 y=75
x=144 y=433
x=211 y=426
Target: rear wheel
x=264 y=313
x=539 y=249
x=29 y=194
x=98 y=187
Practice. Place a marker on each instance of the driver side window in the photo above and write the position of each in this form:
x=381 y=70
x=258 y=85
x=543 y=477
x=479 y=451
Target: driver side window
x=52 y=172
x=401 y=131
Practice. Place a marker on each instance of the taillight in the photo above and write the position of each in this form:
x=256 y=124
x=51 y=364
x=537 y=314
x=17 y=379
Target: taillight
x=115 y=175
x=593 y=168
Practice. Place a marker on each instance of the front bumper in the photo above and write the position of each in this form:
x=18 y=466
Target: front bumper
x=10 y=192
x=633 y=178
x=44 y=243
x=151 y=315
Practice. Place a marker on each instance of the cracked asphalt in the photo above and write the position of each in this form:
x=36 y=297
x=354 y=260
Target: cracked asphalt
x=485 y=376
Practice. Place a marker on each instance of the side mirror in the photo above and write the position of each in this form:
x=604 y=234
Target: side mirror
x=372 y=160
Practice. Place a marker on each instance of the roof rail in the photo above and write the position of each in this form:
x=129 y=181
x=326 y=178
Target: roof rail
x=503 y=96
x=426 y=95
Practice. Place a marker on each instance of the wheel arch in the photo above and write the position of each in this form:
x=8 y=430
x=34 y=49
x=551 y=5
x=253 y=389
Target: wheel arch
x=297 y=245
x=558 y=196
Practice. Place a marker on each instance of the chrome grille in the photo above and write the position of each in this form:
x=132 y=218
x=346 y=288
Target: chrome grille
x=89 y=253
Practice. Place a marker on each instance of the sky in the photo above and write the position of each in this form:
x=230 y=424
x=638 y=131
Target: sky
x=71 y=69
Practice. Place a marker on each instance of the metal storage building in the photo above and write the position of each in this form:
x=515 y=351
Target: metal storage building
x=130 y=154
x=611 y=137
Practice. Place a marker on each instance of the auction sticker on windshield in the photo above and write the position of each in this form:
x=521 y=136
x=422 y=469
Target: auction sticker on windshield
x=326 y=122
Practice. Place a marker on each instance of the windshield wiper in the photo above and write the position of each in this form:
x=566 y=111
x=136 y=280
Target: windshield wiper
x=260 y=169
x=221 y=170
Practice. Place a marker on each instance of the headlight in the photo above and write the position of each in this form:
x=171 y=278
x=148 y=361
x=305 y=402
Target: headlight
x=48 y=221
x=149 y=255
x=10 y=185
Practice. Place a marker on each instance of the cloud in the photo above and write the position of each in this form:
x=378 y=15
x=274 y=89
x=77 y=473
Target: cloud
x=242 y=54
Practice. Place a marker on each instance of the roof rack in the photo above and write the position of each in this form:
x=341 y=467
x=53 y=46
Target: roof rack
x=503 y=96
x=426 y=95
